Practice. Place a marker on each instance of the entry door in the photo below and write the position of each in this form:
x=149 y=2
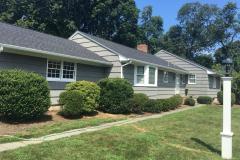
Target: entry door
x=177 y=84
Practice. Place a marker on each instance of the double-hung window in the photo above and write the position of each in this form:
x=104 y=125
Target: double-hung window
x=192 y=79
x=165 y=77
x=145 y=75
x=61 y=71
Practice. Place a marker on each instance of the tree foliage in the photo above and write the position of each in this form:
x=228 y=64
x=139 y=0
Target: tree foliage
x=110 y=19
x=150 y=29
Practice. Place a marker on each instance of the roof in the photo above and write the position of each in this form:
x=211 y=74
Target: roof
x=16 y=36
x=132 y=54
x=209 y=71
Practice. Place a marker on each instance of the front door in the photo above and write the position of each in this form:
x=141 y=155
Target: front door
x=177 y=84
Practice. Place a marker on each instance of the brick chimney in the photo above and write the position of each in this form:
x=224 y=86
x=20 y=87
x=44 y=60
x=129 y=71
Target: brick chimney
x=142 y=47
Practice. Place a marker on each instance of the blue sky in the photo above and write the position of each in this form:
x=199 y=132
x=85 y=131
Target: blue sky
x=168 y=9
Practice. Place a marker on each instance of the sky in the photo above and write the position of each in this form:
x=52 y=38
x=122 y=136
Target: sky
x=168 y=9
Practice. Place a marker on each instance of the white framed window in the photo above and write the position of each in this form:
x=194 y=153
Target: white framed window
x=165 y=77
x=61 y=71
x=214 y=82
x=145 y=75
x=192 y=79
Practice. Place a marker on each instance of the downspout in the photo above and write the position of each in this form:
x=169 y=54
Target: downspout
x=128 y=62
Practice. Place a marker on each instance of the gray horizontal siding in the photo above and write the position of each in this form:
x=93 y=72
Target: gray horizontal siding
x=163 y=90
x=202 y=86
x=115 y=70
x=39 y=66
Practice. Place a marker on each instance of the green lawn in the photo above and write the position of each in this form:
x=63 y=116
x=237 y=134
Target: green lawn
x=188 y=135
x=57 y=127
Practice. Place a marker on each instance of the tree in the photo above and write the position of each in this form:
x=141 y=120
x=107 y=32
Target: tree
x=226 y=28
x=233 y=50
x=205 y=60
x=150 y=29
x=110 y=19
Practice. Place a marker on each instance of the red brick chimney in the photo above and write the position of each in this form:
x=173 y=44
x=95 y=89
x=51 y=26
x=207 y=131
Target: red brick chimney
x=142 y=47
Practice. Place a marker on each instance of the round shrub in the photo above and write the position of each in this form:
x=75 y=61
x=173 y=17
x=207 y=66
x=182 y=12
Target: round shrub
x=90 y=92
x=175 y=101
x=150 y=106
x=23 y=95
x=220 y=98
x=137 y=102
x=189 y=101
x=204 y=100
x=115 y=95
x=72 y=103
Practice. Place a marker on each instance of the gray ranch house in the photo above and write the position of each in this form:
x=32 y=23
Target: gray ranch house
x=86 y=57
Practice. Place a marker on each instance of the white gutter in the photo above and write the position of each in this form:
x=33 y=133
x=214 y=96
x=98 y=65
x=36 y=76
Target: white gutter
x=129 y=62
x=7 y=46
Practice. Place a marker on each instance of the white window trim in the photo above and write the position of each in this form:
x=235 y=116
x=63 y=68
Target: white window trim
x=61 y=79
x=195 y=79
x=165 y=73
x=146 y=76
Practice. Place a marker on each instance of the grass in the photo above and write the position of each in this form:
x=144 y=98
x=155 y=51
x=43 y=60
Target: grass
x=188 y=135
x=57 y=127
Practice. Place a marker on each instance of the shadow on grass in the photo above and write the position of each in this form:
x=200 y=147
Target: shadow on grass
x=208 y=146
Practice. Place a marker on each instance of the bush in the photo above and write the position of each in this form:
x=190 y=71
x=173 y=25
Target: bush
x=220 y=98
x=115 y=95
x=23 y=95
x=137 y=102
x=189 y=101
x=72 y=103
x=90 y=92
x=204 y=100
x=150 y=106
x=159 y=105
x=235 y=86
x=80 y=97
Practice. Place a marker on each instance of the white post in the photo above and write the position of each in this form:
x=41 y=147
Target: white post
x=227 y=133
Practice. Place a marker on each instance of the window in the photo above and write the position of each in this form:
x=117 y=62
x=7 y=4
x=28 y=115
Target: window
x=214 y=82
x=165 y=77
x=191 y=79
x=145 y=76
x=151 y=78
x=140 y=74
x=61 y=71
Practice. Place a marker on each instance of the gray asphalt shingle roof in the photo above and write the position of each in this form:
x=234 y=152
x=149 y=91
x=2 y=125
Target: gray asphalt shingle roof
x=132 y=53
x=21 y=37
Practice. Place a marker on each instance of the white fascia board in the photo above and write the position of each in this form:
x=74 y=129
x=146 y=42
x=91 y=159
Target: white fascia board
x=53 y=54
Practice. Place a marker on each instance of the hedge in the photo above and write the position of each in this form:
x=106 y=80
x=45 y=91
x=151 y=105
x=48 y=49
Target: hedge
x=23 y=95
x=159 y=105
x=189 y=101
x=115 y=95
x=220 y=98
x=137 y=102
x=79 y=98
x=204 y=100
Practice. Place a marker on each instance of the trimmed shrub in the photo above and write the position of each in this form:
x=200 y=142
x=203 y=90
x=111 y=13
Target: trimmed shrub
x=220 y=98
x=137 y=102
x=115 y=95
x=159 y=105
x=189 y=101
x=90 y=92
x=23 y=95
x=72 y=103
x=150 y=106
x=204 y=100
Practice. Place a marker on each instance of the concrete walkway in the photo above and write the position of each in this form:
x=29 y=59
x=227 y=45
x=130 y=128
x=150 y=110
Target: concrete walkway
x=15 y=145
